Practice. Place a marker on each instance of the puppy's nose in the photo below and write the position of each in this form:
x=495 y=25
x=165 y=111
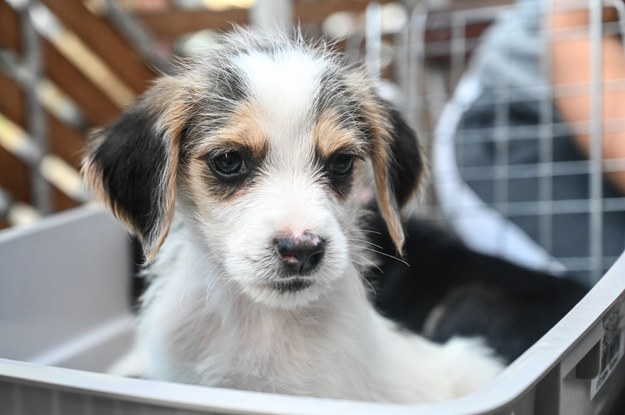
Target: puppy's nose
x=302 y=254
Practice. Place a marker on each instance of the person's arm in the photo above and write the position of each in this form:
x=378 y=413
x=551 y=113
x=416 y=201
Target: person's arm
x=571 y=62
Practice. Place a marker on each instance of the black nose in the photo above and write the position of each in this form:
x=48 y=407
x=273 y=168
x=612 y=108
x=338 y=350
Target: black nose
x=300 y=255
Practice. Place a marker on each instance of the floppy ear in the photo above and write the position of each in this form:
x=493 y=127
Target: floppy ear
x=131 y=165
x=397 y=163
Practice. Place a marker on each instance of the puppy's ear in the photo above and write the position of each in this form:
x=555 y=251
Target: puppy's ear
x=131 y=165
x=397 y=161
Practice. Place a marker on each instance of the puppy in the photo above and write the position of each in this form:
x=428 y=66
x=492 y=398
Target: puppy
x=237 y=175
x=450 y=290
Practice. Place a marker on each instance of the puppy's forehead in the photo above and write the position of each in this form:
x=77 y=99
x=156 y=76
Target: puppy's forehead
x=287 y=98
x=283 y=85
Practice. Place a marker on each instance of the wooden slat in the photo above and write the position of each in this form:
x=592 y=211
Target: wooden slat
x=14 y=173
x=10 y=34
x=464 y=5
x=103 y=40
x=173 y=23
x=440 y=31
x=65 y=142
x=68 y=144
x=12 y=100
x=313 y=11
x=97 y=106
x=15 y=176
x=60 y=201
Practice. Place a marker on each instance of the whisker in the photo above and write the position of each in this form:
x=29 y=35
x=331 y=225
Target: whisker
x=357 y=289
x=365 y=241
x=386 y=255
x=371 y=231
x=373 y=264
x=373 y=290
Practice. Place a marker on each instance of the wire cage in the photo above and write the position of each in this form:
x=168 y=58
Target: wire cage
x=511 y=174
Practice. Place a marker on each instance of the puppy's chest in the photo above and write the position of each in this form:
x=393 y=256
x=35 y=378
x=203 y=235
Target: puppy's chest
x=245 y=349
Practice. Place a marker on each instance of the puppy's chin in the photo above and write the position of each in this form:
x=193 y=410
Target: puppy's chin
x=264 y=280
x=288 y=294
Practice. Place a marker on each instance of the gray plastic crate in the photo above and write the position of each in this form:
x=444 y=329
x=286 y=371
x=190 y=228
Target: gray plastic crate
x=65 y=316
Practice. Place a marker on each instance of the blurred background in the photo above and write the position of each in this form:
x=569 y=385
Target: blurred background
x=69 y=66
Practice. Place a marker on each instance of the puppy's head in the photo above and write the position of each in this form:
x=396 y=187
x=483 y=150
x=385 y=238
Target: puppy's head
x=259 y=145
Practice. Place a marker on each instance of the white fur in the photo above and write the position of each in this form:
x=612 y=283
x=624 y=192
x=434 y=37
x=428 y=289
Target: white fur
x=200 y=329
x=284 y=87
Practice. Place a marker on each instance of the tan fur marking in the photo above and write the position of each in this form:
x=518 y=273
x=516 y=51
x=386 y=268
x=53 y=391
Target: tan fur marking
x=242 y=130
x=381 y=158
x=173 y=121
x=386 y=203
x=201 y=185
x=330 y=136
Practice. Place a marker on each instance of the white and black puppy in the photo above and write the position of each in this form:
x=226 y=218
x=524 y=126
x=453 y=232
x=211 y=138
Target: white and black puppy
x=237 y=177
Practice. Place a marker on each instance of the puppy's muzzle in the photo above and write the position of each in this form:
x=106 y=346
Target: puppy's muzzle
x=302 y=254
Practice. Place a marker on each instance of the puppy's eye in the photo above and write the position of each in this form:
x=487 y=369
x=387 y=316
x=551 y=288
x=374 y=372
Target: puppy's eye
x=341 y=164
x=229 y=164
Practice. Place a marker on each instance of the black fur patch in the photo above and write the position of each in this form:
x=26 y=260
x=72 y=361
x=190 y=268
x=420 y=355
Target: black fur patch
x=406 y=157
x=132 y=160
x=511 y=307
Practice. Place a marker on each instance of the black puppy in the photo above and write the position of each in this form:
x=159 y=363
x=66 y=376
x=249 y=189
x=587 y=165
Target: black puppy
x=450 y=290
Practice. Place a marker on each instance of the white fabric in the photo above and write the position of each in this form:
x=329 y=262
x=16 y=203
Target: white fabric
x=478 y=225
